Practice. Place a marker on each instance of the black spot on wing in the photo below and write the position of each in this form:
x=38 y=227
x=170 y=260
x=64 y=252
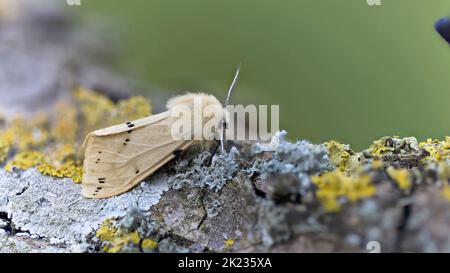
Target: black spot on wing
x=130 y=124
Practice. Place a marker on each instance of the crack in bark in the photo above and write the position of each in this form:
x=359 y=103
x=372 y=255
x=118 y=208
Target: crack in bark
x=10 y=227
x=202 y=199
x=21 y=192
x=406 y=215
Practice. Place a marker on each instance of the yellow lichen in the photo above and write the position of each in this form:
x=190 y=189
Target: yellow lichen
x=66 y=127
x=25 y=160
x=4 y=149
x=122 y=239
x=114 y=239
x=26 y=134
x=342 y=156
x=377 y=164
x=229 y=243
x=332 y=186
x=96 y=110
x=134 y=108
x=149 y=244
x=446 y=192
x=444 y=176
x=443 y=171
x=379 y=147
x=63 y=152
x=51 y=141
x=401 y=177
x=107 y=230
x=70 y=169
x=438 y=150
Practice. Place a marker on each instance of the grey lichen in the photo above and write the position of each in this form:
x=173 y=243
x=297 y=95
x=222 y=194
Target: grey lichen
x=53 y=209
x=22 y=244
x=240 y=201
x=206 y=170
x=299 y=160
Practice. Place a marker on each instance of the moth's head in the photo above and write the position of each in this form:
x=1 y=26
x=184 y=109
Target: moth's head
x=199 y=105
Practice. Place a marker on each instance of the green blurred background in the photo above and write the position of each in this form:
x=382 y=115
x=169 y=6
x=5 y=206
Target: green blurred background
x=339 y=69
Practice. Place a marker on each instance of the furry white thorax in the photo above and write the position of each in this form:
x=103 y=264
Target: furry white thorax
x=204 y=111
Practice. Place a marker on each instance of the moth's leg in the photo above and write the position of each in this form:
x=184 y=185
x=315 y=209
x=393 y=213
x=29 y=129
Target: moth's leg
x=213 y=153
x=177 y=153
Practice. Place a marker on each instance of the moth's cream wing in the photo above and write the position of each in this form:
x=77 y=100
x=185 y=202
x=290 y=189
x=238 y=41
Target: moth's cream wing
x=119 y=157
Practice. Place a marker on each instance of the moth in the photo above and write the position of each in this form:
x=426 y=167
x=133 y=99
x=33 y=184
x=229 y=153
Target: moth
x=443 y=27
x=119 y=157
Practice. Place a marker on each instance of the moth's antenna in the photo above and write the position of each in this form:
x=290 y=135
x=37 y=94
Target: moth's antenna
x=233 y=84
x=227 y=100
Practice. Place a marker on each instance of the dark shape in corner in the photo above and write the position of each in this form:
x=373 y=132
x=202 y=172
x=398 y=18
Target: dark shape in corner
x=443 y=27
